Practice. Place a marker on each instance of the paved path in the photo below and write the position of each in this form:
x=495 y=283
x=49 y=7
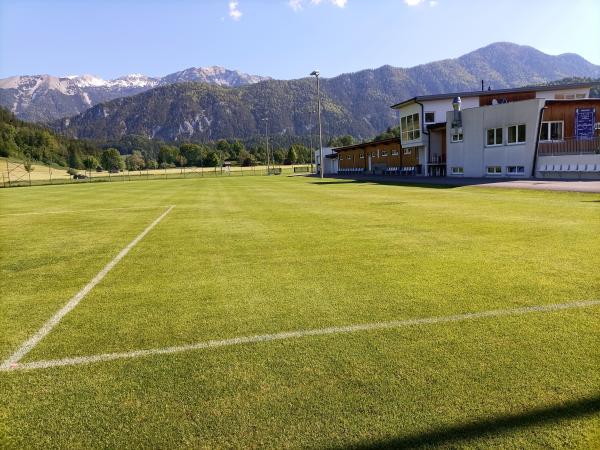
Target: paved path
x=592 y=186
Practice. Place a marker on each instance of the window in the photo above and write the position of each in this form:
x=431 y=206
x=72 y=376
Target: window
x=384 y=153
x=429 y=117
x=515 y=170
x=457 y=137
x=494 y=170
x=569 y=96
x=411 y=128
x=362 y=155
x=516 y=134
x=494 y=137
x=579 y=95
x=407 y=151
x=349 y=156
x=551 y=131
x=395 y=152
x=559 y=96
x=458 y=170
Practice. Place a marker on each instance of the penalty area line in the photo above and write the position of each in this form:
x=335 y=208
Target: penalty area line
x=79 y=360
x=29 y=344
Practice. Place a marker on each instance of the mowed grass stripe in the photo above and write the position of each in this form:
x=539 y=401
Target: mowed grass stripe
x=28 y=345
x=299 y=334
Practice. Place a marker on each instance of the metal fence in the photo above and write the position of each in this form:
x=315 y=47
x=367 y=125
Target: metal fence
x=570 y=146
x=12 y=179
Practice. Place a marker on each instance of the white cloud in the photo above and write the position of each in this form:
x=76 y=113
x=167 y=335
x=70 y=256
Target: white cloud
x=234 y=11
x=431 y=3
x=298 y=5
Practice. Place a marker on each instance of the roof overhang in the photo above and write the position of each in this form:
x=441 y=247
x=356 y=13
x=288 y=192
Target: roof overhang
x=367 y=144
x=451 y=95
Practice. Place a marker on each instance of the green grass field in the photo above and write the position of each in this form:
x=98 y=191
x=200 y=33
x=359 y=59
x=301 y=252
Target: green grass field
x=240 y=257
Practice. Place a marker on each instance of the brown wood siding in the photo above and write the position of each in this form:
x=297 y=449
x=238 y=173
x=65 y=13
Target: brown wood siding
x=486 y=100
x=565 y=111
x=376 y=150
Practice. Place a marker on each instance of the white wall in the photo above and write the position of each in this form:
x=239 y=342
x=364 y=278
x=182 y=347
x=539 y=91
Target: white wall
x=331 y=165
x=568 y=160
x=441 y=107
x=551 y=95
x=473 y=155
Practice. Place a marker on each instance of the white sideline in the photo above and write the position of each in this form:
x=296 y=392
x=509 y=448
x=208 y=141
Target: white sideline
x=77 y=211
x=28 y=345
x=296 y=334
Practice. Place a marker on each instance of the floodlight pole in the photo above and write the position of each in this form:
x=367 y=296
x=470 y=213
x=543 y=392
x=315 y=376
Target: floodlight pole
x=316 y=74
x=266 y=120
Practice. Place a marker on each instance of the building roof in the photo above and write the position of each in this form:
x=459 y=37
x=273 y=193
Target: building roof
x=556 y=87
x=367 y=144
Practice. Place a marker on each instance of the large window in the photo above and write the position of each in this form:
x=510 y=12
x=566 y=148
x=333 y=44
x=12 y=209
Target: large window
x=411 y=127
x=494 y=137
x=516 y=134
x=551 y=131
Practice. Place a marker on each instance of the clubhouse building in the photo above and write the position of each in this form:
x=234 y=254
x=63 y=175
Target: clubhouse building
x=543 y=132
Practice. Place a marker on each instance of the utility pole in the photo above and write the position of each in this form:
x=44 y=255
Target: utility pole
x=315 y=73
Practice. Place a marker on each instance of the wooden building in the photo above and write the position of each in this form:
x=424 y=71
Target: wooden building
x=380 y=157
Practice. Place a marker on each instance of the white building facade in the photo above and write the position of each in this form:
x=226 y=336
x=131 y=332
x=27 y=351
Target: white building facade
x=496 y=140
x=444 y=150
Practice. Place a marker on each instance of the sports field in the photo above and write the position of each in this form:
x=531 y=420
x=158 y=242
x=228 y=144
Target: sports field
x=294 y=312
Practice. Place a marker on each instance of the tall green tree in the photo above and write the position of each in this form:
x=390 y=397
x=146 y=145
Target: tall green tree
x=111 y=159
x=168 y=154
x=292 y=156
x=74 y=158
x=90 y=163
x=135 y=161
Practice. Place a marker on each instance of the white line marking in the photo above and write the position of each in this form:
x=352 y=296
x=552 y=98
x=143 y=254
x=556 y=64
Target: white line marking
x=43 y=213
x=28 y=345
x=296 y=334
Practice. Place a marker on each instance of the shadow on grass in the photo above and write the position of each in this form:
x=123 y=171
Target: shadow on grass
x=453 y=435
x=390 y=181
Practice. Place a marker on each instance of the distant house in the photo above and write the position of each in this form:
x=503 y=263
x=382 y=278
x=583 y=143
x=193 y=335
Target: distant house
x=546 y=131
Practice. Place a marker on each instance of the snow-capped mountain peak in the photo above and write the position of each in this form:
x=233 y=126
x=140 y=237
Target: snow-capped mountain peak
x=88 y=80
x=33 y=97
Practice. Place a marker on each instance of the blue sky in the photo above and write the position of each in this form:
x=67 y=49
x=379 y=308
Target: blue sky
x=279 y=38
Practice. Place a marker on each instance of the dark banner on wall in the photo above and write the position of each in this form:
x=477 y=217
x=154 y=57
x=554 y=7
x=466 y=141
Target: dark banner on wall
x=585 y=118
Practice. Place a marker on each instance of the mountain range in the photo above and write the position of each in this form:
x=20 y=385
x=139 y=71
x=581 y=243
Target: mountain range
x=43 y=98
x=358 y=103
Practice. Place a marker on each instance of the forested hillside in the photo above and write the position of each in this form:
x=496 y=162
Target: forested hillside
x=357 y=104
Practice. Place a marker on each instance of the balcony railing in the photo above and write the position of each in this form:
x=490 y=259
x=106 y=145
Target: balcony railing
x=570 y=146
x=437 y=159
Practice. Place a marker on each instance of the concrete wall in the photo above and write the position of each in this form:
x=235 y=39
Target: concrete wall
x=582 y=163
x=474 y=156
